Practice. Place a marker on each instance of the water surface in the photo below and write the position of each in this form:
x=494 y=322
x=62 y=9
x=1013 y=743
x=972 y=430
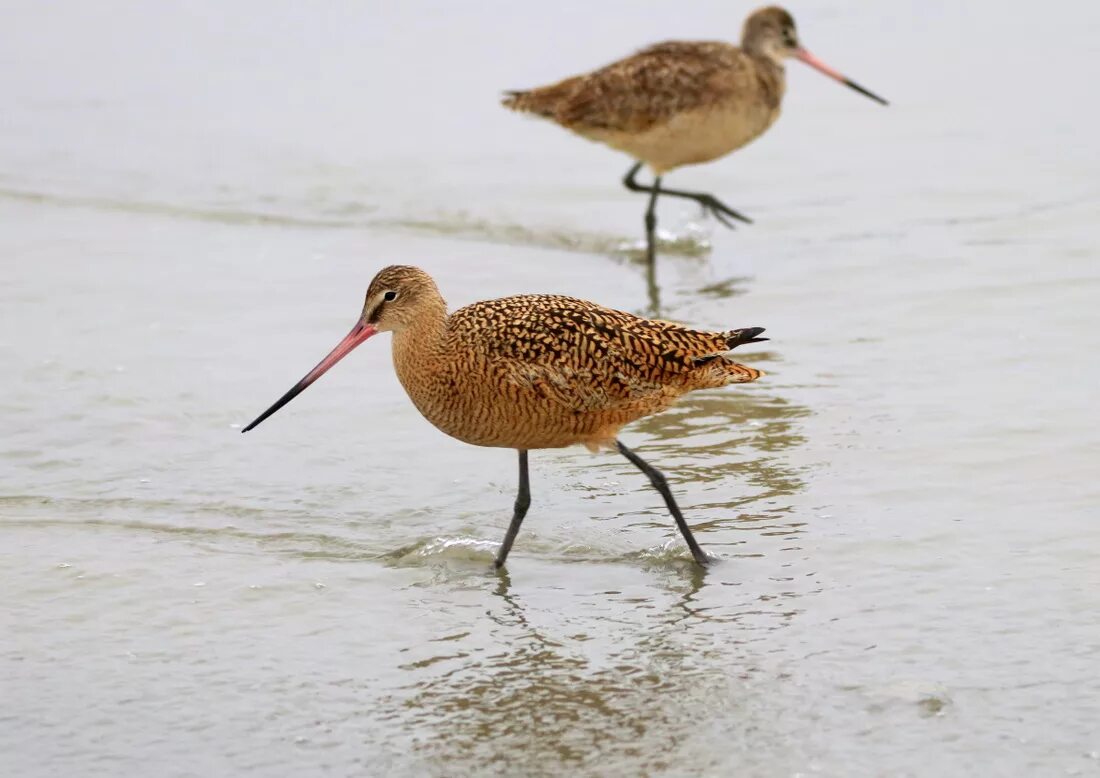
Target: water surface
x=193 y=199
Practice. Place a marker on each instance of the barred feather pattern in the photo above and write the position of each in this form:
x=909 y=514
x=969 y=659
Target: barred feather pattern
x=542 y=371
x=654 y=84
x=671 y=104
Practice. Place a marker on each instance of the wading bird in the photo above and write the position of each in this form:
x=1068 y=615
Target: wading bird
x=536 y=371
x=681 y=103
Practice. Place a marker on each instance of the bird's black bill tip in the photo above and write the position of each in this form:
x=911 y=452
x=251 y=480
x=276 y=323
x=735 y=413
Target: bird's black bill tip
x=865 y=92
x=360 y=332
x=836 y=75
x=294 y=392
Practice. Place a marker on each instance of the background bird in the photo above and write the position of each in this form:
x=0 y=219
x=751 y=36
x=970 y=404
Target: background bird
x=536 y=371
x=681 y=103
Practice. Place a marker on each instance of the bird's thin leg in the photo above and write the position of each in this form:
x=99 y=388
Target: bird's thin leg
x=657 y=478
x=653 y=290
x=651 y=226
x=523 y=502
x=631 y=183
x=710 y=203
x=650 y=235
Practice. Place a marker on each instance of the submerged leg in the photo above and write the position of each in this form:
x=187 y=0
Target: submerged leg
x=523 y=501
x=650 y=235
x=651 y=228
x=650 y=212
x=657 y=478
x=711 y=204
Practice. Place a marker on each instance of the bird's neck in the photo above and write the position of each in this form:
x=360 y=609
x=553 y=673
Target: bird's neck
x=761 y=46
x=416 y=347
x=769 y=60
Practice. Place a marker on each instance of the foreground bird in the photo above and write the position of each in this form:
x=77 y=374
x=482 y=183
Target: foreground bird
x=536 y=371
x=681 y=103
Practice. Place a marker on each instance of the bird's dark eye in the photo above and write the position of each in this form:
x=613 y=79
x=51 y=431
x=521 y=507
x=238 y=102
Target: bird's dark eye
x=389 y=296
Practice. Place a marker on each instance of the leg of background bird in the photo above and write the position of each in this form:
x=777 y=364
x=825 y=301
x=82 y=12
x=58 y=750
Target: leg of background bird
x=653 y=291
x=657 y=478
x=651 y=257
x=711 y=205
x=631 y=183
x=523 y=501
x=651 y=226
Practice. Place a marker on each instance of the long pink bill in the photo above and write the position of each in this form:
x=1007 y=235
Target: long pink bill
x=817 y=64
x=358 y=334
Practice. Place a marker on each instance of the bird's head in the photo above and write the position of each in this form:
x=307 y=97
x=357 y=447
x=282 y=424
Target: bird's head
x=770 y=33
x=398 y=296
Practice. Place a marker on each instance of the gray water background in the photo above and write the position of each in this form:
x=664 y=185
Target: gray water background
x=193 y=197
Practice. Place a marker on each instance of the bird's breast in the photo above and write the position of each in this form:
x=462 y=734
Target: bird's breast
x=486 y=403
x=473 y=400
x=701 y=135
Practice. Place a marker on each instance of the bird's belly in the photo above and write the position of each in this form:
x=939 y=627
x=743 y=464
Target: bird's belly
x=515 y=414
x=489 y=412
x=696 y=136
x=483 y=420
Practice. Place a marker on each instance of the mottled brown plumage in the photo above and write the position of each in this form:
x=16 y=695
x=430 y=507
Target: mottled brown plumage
x=671 y=104
x=542 y=371
x=681 y=103
x=536 y=371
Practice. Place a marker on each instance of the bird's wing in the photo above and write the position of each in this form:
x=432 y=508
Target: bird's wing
x=652 y=86
x=581 y=354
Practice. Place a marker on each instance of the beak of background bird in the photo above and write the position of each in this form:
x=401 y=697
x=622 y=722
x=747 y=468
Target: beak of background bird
x=360 y=332
x=817 y=64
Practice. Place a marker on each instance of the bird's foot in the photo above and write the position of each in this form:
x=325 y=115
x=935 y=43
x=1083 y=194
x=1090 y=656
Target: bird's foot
x=703 y=559
x=720 y=211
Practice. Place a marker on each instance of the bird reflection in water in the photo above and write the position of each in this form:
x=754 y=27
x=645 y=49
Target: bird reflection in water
x=618 y=676
x=619 y=680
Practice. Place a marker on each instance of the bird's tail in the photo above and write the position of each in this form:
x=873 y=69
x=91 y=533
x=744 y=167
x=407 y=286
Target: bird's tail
x=528 y=101
x=733 y=372
x=541 y=101
x=515 y=99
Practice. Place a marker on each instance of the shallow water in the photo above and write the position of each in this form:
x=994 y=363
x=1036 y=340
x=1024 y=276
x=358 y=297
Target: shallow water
x=193 y=198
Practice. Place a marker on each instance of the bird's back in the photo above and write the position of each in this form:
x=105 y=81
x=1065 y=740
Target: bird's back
x=543 y=371
x=673 y=103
